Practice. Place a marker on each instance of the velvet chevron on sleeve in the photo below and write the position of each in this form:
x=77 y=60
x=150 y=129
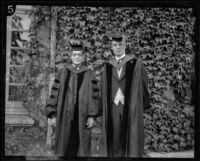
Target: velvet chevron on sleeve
x=51 y=105
x=93 y=97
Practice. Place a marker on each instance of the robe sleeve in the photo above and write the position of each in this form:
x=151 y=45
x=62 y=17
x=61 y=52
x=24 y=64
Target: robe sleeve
x=52 y=102
x=146 y=99
x=93 y=97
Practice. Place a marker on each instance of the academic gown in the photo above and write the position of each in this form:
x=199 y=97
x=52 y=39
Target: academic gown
x=136 y=101
x=69 y=103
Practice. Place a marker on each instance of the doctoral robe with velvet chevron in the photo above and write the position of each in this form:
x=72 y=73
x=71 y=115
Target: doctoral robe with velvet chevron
x=135 y=89
x=69 y=103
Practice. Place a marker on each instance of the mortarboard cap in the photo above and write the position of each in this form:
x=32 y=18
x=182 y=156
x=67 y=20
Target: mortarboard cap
x=117 y=36
x=77 y=47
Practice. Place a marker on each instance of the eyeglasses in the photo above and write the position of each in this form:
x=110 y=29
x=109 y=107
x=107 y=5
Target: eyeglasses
x=115 y=45
x=75 y=55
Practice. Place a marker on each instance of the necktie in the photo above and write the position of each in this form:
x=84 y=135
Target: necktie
x=119 y=71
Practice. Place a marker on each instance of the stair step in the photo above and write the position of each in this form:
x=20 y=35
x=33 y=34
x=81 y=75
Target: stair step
x=18 y=120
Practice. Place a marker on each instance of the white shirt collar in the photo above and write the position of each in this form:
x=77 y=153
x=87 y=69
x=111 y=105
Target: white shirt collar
x=118 y=58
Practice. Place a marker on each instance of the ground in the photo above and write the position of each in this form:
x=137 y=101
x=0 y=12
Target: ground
x=30 y=142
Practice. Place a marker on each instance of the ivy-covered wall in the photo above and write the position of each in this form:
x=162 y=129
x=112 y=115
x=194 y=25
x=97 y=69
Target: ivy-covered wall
x=162 y=37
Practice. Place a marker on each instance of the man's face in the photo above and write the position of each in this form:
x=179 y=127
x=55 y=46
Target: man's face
x=77 y=57
x=118 y=48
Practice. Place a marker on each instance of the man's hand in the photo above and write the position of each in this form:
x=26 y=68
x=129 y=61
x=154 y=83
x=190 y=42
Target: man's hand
x=53 y=122
x=90 y=122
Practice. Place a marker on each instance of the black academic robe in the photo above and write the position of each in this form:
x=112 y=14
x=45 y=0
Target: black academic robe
x=136 y=100
x=69 y=102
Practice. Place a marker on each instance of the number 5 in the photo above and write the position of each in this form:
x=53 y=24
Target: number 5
x=11 y=9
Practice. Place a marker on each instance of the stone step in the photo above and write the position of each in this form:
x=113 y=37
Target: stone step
x=18 y=120
x=16 y=111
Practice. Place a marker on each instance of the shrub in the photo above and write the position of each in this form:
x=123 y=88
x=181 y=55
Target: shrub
x=22 y=141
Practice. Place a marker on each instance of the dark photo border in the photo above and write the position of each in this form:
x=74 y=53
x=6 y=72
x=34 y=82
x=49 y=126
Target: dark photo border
x=195 y=4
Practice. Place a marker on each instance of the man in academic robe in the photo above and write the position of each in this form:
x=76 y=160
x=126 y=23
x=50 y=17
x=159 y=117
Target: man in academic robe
x=124 y=98
x=68 y=107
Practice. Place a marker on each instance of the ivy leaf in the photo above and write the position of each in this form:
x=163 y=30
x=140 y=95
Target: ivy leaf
x=169 y=94
x=175 y=129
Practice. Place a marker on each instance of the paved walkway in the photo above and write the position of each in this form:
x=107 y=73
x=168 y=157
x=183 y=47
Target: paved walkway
x=184 y=154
